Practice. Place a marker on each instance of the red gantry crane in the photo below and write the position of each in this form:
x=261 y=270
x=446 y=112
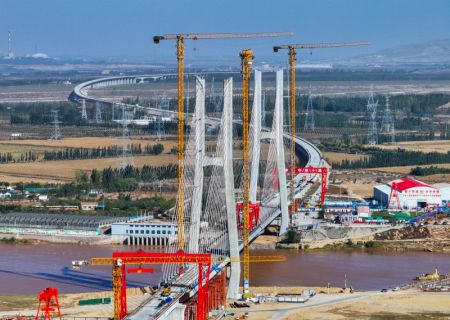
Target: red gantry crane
x=292 y=63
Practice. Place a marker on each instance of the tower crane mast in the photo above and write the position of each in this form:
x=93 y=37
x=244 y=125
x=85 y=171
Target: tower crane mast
x=292 y=62
x=180 y=38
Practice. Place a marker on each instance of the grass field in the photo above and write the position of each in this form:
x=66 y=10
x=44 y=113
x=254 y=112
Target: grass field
x=424 y=146
x=65 y=170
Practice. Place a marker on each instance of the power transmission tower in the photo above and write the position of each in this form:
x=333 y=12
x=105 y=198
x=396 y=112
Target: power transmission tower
x=126 y=155
x=309 y=120
x=56 y=131
x=215 y=97
x=83 y=110
x=98 y=113
x=387 y=124
x=161 y=106
x=372 y=136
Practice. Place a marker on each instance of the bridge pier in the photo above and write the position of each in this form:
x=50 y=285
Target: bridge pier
x=233 y=239
x=197 y=195
x=279 y=143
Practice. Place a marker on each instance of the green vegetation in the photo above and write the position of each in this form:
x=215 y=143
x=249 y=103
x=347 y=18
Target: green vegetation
x=13 y=240
x=384 y=215
x=105 y=152
x=426 y=171
x=390 y=158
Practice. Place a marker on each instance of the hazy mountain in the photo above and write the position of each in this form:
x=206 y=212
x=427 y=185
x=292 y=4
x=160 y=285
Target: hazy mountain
x=429 y=53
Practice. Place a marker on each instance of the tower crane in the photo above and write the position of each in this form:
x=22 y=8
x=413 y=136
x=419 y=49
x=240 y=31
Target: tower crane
x=180 y=38
x=246 y=62
x=292 y=61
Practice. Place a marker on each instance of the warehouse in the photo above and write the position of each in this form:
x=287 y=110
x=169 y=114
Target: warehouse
x=407 y=193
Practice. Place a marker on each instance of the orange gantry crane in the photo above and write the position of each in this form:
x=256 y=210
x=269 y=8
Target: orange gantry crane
x=180 y=38
x=292 y=62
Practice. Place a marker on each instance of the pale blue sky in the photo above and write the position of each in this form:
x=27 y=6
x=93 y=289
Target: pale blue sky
x=124 y=28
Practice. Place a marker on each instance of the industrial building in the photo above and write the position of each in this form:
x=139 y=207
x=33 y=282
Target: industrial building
x=408 y=194
x=156 y=233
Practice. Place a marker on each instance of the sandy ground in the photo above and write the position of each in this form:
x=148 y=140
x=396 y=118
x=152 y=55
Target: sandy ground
x=364 y=305
x=407 y=169
x=89 y=142
x=27 y=304
x=392 y=305
x=340 y=156
x=66 y=170
x=359 y=189
x=424 y=146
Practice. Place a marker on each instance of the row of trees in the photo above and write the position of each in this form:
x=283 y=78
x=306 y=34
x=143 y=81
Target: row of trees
x=128 y=178
x=389 y=158
x=105 y=152
x=425 y=171
x=83 y=153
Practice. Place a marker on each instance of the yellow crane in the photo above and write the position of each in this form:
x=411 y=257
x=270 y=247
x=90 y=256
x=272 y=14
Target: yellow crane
x=180 y=38
x=246 y=62
x=292 y=61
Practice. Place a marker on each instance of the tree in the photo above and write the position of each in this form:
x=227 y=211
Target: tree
x=95 y=177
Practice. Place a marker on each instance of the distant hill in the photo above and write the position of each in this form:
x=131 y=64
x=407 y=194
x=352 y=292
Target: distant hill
x=432 y=52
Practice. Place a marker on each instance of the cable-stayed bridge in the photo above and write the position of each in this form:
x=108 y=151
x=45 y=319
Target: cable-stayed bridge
x=210 y=220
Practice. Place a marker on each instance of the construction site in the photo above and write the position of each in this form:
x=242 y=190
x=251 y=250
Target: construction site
x=254 y=192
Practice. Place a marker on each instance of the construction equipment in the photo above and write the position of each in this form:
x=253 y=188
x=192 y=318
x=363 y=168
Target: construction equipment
x=120 y=260
x=394 y=197
x=48 y=306
x=180 y=38
x=246 y=62
x=292 y=62
x=254 y=209
x=323 y=171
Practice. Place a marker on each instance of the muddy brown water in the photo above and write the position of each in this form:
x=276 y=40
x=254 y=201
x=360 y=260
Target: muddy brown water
x=26 y=269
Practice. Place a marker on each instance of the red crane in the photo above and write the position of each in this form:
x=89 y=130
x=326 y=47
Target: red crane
x=323 y=171
x=48 y=306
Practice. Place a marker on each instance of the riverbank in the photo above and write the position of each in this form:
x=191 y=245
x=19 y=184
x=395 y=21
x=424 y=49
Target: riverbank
x=423 y=238
x=35 y=238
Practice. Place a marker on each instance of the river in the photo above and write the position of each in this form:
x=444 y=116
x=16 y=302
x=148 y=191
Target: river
x=26 y=268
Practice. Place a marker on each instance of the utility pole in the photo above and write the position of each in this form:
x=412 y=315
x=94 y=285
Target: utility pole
x=98 y=113
x=56 y=131
x=83 y=110
x=309 y=119
x=126 y=155
x=372 y=106
x=387 y=124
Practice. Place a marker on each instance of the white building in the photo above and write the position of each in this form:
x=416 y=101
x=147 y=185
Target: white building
x=145 y=233
x=407 y=194
x=444 y=188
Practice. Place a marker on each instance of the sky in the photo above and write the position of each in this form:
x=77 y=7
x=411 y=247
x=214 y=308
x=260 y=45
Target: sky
x=110 y=29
